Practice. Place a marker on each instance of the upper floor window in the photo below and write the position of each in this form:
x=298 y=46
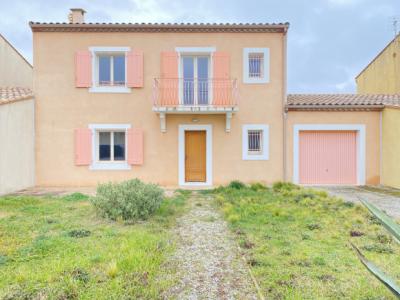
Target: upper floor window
x=111 y=70
x=256 y=65
x=195 y=81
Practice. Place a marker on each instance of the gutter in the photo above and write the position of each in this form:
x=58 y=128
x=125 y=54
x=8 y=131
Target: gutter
x=334 y=108
x=380 y=148
x=284 y=112
x=160 y=27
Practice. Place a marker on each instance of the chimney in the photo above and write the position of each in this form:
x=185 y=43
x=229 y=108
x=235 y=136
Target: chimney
x=76 y=16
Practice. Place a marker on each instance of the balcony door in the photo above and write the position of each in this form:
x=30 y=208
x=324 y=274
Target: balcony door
x=196 y=71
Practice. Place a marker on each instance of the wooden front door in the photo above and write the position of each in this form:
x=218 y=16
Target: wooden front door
x=195 y=156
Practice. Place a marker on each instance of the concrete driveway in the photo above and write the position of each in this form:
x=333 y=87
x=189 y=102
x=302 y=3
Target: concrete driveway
x=380 y=197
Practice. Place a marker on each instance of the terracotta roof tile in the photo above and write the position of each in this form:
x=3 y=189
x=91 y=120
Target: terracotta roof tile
x=10 y=94
x=342 y=101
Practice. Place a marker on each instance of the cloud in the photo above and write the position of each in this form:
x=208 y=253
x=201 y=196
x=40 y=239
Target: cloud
x=345 y=2
x=329 y=41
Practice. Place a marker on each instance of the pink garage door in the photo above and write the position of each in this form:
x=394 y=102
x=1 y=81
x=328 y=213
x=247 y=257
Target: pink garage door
x=328 y=157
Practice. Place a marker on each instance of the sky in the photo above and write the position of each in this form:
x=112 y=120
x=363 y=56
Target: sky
x=329 y=41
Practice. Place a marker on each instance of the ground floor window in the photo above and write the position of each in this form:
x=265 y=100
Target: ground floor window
x=255 y=142
x=111 y=145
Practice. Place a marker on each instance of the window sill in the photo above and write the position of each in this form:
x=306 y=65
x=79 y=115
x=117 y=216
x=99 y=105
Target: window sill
x=249 y=80
x=255 y=157
x=110 y=89
x=110 y=166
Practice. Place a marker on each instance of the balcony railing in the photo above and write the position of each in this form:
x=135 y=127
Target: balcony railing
x=196 y=92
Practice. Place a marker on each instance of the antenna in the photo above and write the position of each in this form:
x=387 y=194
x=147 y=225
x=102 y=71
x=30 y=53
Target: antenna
x=395 y=23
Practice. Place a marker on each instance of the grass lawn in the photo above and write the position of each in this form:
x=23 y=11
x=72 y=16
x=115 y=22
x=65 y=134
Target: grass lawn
x=296 y=241
x=58 y=248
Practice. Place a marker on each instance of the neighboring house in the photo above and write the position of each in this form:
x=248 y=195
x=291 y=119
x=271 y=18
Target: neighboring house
x=17 y=159
x=15 y=70
x=382 y=76
x=189 y=105
x=17 y=139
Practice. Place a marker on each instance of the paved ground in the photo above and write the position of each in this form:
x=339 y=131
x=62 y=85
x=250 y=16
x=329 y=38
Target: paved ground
x=389 y=203
x=207 y=257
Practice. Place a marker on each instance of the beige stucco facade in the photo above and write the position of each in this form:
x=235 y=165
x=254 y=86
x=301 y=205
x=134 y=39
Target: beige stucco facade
x=61 y=108
x=17 y=145
x=15 y=70
x=371 y=120
x=382 y=75
x=391 y=147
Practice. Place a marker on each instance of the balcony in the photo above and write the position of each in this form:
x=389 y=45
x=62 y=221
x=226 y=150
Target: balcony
x=195 y=96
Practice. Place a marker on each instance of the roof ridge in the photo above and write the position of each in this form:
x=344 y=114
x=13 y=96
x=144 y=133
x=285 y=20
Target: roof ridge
x=160 y=27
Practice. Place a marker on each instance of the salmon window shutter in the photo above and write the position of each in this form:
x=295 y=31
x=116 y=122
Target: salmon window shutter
x=221 y=80
x=83 y=69
x=83 y=147
x=169 y=82
x=134 y=65
x=135 y=146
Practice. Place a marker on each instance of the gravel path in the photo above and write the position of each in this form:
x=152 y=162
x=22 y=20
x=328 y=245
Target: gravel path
x=207 y=258
x=390 y=204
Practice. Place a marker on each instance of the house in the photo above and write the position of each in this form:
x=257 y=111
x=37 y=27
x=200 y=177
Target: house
x=17 y=134
x=15 y=70
x=382 y=76
x=16 y=120
x=189 y=105
x=159 y=102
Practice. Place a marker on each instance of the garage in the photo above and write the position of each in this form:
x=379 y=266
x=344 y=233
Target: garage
x=328 y=157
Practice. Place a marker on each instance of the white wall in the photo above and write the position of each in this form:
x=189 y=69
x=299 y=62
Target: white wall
x=14 y=69
x=17 y=158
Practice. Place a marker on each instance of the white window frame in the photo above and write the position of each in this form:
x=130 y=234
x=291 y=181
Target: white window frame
x=112 y=144
x=264 y=154
x=361 y=144
x=113 y=164
x=266 y=66
x=195 y=51
x=96 y=52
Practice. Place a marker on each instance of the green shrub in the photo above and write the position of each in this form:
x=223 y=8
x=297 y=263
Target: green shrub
x=306 y=194
x=284 y=186
x=129 y=200
x=313 y=226
x=236 y=184
x=348 y=204
x=379 y=248
x=75 y=197
x=258 y=187
x=79 y=233
x=80 y=275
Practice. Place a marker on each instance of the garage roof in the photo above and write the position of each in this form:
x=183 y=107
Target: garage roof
x=11 y=94
x=341 y=101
